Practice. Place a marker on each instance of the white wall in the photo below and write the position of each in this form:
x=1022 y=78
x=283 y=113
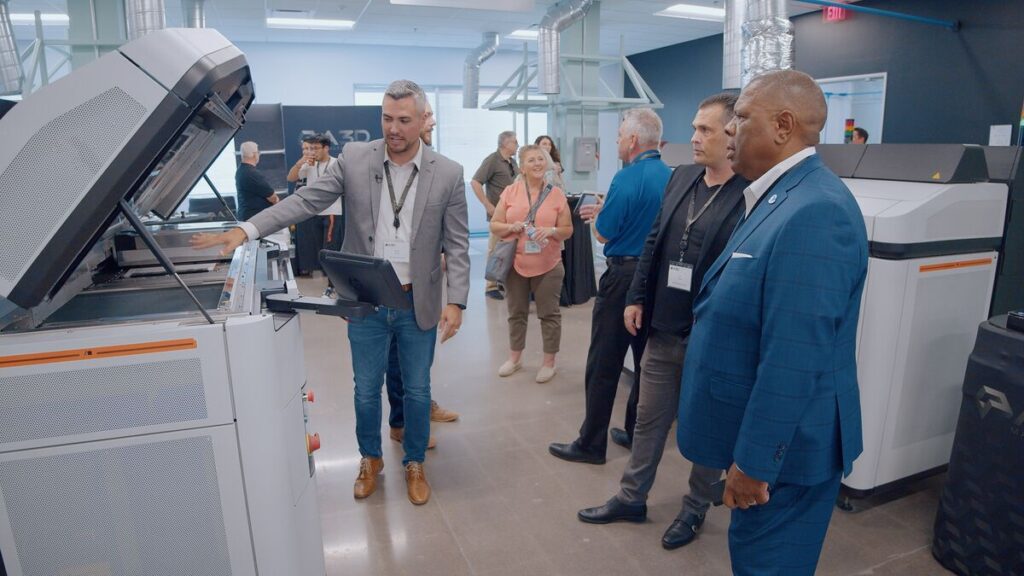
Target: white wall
x=325 y=74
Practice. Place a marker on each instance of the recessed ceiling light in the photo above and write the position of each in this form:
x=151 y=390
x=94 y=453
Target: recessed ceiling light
x=523 y=35
x=310 y=23
x=692 y=12
x=46 y=18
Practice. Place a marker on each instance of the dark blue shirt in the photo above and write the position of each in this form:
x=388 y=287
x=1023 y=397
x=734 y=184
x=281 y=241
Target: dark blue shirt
x=632 y=204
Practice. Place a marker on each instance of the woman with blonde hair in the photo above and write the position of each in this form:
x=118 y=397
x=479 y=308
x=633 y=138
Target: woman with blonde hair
x=536 y=215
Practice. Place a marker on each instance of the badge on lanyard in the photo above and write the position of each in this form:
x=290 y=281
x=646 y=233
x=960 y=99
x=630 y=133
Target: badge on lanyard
x=531 y=247
x=680 y=276
x=396 y=251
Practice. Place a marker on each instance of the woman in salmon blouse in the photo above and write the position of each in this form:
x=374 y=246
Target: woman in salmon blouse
x=537 y=267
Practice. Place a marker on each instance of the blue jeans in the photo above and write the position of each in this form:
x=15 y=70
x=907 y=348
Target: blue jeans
x=370 y=339
x=396 y=391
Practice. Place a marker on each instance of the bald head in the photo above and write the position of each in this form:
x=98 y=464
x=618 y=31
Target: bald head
x=778 y=114
x=796 y=92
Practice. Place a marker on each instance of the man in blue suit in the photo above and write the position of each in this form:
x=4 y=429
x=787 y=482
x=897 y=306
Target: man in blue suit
x=769 y=387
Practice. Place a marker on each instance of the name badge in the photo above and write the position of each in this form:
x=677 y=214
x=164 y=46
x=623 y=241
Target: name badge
x=680 y=276
x=531 y=247
x=396 y=251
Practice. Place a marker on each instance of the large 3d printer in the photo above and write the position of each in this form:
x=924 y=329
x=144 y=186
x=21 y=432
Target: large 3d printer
x=935 y=224
x=153 y=410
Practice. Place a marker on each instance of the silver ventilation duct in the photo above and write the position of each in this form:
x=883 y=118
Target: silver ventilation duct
x=558 y=18
x=732 y=56
x=767 y=38
x=471 y=72
x=195 y=13
x=143 y=17
x=10 y=63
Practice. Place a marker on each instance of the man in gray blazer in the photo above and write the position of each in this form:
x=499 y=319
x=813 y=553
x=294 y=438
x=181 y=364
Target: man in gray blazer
x=406 y=203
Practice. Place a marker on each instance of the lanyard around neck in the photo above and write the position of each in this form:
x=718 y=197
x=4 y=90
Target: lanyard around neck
x=684 y=242
x=397 y=205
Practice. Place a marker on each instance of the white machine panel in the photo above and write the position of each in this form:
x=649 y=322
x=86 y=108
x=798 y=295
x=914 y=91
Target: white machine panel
x=266 y=367
x=129 y=380
x=916 y=212
x=918 y=325
x=158 y=505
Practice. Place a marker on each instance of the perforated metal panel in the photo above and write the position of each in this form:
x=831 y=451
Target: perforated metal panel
x=144 y=510
x=70 y=402
x=53 y=167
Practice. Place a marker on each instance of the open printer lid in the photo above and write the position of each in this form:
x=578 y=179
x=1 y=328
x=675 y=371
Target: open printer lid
x=142 y=123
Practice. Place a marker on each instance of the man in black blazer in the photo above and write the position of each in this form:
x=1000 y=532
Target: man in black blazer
x=702 y=204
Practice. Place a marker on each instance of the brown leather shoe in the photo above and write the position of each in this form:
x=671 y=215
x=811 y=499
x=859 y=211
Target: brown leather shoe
x=438 y=414
x=416 y=482
x=398 y=433
x=366 y=482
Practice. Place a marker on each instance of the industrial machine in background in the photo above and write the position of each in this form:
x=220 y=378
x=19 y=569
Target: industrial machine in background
x=153 y=410
x=935 y=227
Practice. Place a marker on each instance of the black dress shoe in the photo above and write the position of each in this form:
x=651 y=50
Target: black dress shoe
x=682 y=531
x=573 y=453
x=622 y=438
x=613 y=510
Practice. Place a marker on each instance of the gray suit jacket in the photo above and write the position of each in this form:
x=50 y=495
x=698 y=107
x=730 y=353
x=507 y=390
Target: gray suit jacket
x=440 y=222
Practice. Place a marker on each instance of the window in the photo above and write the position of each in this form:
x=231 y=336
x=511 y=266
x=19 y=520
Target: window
x=857 y=98
x=221 y=173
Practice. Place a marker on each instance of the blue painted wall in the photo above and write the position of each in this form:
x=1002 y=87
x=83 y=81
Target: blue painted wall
x=942 y=86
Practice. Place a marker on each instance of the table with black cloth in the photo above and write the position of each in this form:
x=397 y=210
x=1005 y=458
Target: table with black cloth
x=580 y=283
x=979 y=527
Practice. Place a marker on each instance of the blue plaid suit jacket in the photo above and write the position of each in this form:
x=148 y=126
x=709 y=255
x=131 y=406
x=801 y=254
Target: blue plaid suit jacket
x=770 y=378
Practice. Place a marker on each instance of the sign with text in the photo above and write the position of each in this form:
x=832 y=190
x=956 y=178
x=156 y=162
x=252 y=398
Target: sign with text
x=834 y=14
x=341 y=124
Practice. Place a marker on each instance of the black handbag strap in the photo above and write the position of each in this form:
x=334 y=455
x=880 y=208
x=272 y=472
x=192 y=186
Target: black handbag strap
x=540 y=200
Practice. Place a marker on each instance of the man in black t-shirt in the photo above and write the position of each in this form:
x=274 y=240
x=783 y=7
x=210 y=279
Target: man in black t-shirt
x=700 y=209
x=254 y=192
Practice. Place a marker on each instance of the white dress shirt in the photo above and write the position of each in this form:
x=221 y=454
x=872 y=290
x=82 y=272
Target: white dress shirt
x=309 y=174
x=386 y=232
x=758 y=187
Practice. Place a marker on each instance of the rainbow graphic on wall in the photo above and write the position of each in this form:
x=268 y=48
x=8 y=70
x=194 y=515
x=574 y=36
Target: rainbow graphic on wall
x=848 y=131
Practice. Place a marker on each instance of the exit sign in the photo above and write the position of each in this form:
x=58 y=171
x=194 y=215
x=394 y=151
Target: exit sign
x=832 y=14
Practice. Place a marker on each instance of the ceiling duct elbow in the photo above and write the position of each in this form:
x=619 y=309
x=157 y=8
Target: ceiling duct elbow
x=767 y=38
x=195 y=13
x=558 y=18
x=143 y=17
x=10 y=63
x=471 y=71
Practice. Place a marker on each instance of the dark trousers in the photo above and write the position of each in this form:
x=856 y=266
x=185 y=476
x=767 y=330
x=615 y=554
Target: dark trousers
x=609 y=341
x=333 y=230
x=396 y=391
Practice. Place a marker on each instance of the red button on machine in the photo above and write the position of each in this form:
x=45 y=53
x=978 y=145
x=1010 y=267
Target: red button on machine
x=309 y=396
x=312 y=442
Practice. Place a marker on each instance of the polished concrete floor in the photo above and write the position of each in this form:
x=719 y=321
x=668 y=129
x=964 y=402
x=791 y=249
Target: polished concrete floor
x=502 y=505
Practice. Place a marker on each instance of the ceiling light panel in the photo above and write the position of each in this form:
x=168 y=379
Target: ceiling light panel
x=693 y=12
x=522 y=35
x=500 y=5
x=309 y=23
x=46 y=18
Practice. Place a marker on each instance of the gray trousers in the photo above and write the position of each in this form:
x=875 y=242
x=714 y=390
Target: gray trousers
x=660 y=374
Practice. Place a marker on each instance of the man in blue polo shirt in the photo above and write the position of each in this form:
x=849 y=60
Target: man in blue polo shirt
x=621 y=223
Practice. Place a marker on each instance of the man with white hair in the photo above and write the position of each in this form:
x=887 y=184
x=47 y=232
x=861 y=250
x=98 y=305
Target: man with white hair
x=621 y=223
x=253 y=190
